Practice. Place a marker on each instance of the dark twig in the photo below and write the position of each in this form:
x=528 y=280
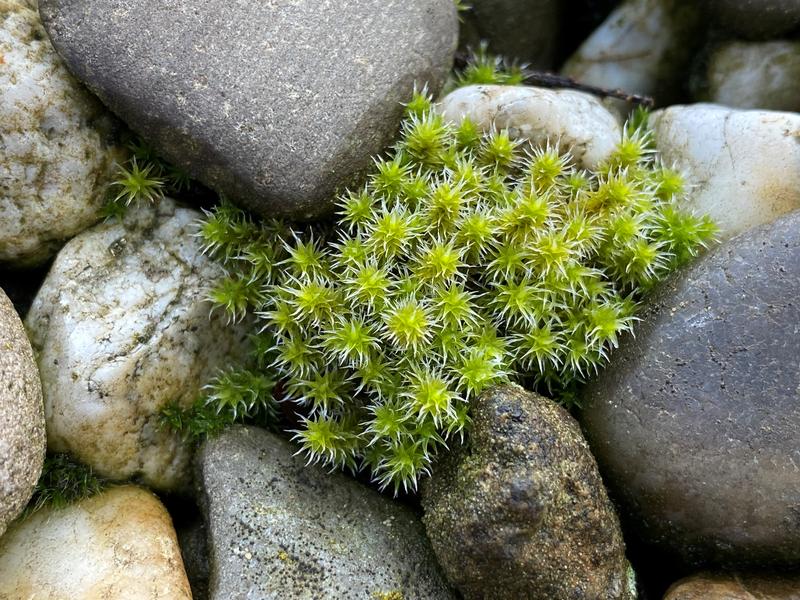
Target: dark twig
x=551 y=80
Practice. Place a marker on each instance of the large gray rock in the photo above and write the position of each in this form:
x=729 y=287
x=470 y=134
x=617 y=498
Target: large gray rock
x=696 y=423
x=762 y=75
x=515 y=29
x=121 y=327
x=275 y=104
x=22 y=437
x=57 y=146
x=757 y=19
x=521 y=512
x=279 y=529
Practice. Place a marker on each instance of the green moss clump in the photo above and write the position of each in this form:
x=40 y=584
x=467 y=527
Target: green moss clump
x=62 y=482
x=487 y=69
x=466 y=260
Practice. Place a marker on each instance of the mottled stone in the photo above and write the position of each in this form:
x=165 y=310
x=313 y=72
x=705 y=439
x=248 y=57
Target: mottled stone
x=696 y=422
x=121 y=327
x=515 y=29
x=757 y=19
x=22 y=437
x=119 y=544
x=57 y=147
x=643 y=47
x=520 y=511
x=279 y=529
x=743 y=165
x=762 y=75
x=571 y=121
x=275 y=104
x=729 y=586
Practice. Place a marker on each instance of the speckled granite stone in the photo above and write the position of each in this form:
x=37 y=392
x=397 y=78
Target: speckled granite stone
x=57 y=146
x=281 y=530
x=22 y=433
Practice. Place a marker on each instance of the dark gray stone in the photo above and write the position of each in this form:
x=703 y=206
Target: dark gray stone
x=278 y=529
x=757 y=19
x=275 y=104
x=515 y=29
x=192 y=540
x=696 y=422
x=520 y=511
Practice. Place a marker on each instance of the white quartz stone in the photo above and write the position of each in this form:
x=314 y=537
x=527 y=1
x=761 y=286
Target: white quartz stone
x=762 y=75
x=643 y=47
x=121 y=327
x=572 y=121
x=56 y=143
x=119 y=544
x=744 y=165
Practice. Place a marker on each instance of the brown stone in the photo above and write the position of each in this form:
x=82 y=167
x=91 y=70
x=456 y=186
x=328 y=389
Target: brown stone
x=520 y=511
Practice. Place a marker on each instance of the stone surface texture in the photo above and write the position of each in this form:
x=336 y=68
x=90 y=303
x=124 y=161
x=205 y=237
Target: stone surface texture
x=696 y=422
x=743 y=165
x=117 y=545
x=520 y=511
x=22 y=431
x=279 y=529
x=643 y=47
x=276 y=104
x=57 y=147
x=762 y=75
x=572 y=121
x=757 y=19
x=120 y=327
x=726 y=586
x=515 y=29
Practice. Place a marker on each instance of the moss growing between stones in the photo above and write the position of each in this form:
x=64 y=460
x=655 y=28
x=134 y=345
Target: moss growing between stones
x=62 y=482
x=466 y=260
x=143 y=177
x=233 y=396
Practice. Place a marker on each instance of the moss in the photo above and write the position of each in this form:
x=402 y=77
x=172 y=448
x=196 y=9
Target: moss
x=62 y=482
x=466 y=260
x=391 y=595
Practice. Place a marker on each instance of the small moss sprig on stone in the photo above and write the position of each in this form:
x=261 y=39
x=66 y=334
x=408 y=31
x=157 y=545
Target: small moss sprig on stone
x=466 y=260
x=484 y=68
x=62 y=482
x=144 y=178
x=233 y=396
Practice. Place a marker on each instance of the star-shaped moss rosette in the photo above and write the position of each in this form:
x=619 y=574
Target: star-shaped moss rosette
x=466 y=260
